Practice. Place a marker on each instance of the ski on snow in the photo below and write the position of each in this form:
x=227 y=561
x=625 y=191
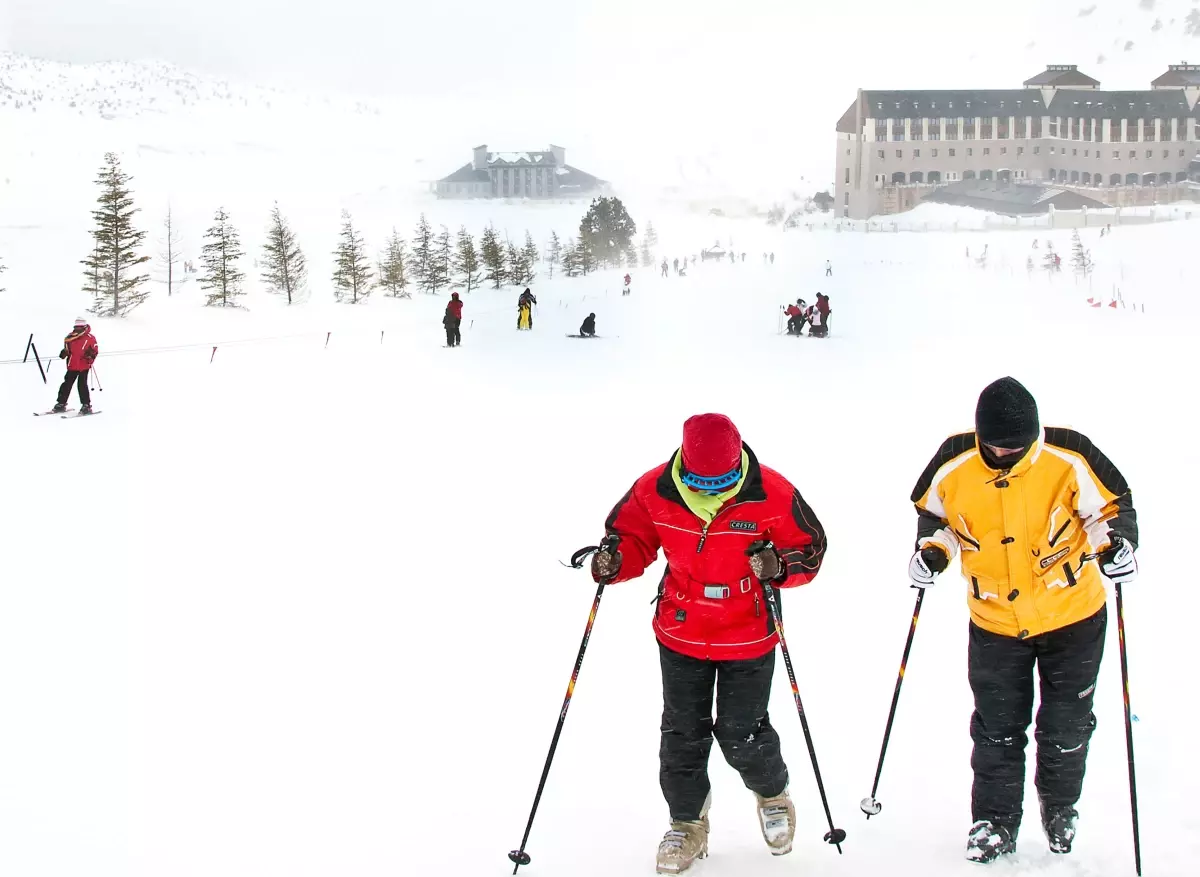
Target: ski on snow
x=80 y=414
x=51 y=411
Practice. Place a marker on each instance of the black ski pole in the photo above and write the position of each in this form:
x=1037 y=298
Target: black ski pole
x=870 y=805
x=1137 y=842
x=518 y=856
x=96 y=375
x=835 y=836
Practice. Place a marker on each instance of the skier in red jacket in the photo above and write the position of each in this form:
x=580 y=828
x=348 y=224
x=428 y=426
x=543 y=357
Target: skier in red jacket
x=705 y=508
x=80 y=351
x=452 y=320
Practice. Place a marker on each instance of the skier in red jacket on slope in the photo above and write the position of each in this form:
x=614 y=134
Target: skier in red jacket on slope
x=80 y=351
x=452 y=320
x=705 y=508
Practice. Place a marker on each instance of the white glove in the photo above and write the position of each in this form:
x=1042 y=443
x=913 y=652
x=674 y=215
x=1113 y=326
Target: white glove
x=925 y=566
x=1119 y=563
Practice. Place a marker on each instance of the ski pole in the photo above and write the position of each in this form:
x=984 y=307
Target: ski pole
x=1137 y=842
x=518 y=856
x=96 y=375
x=834 y=836
x=870 y=805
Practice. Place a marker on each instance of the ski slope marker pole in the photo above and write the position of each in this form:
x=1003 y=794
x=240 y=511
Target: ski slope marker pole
x=870 y=805
x=518 y=856
x=834 y=836
x=1133 y=807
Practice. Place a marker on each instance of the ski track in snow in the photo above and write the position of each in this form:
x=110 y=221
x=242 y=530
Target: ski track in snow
x=300 y=610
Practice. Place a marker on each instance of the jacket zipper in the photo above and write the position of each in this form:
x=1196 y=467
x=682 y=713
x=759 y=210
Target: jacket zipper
x=704 y=529
x=757 y=607
x=703 y=536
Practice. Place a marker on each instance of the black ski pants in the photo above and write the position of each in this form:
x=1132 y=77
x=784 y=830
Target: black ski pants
x=1001 y=669
x=64 y=392
x=453 y=335
x=742 y=727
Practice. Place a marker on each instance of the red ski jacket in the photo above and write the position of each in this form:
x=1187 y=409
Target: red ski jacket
x=794 y=311
x=82 y=350
x=454 y=309
x=709 y=604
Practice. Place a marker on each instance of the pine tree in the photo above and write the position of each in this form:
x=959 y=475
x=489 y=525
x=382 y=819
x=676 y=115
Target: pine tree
x=286 y=269
x=555 y=252
x=440 y=265
x=393 y=275
x=220 y=256
x=631 y=257
x=169 y=246
x=570 y=259
x=529 y=258
x=112 y=274
x=466 y=260
x=351 y=272
x=1080 y=258
x=493 y=257
x=421 y=258
x=647 y=256
x=585 y=258
x=1049 y=261
x=607 y=230
x=651 y=238
x=514 y=265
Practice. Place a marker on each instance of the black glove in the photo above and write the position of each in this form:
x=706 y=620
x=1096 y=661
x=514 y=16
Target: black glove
x=606 y=565
x=63 y=353
x=765 y=562
x=1118 y=562
x=926 y=565
x=90 y=356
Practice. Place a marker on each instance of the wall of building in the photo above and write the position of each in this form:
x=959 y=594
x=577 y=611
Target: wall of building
x=892 y=147
x=524 y=182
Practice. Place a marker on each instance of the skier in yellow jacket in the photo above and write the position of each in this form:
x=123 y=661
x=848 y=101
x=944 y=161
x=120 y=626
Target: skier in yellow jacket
x=1041 y=518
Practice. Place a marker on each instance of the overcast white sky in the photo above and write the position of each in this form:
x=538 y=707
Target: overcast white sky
x=736 y=71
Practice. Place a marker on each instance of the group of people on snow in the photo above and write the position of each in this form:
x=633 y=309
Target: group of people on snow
x=1042 y=519
x=815 y=315
x=452 y=318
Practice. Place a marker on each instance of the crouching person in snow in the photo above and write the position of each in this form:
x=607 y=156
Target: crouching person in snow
x=1031 y=510
x=705 y=508
x=80 y=351
x=796 y=317
x=588 y=328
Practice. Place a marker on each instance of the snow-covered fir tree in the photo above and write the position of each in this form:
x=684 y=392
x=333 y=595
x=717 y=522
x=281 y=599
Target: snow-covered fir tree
x=466 y=260
x=170 y=252
x=651 y=239
x=586 y=259
x=1081 y=259
x=1050 y=261
x=647 y=256
x=219 y=256
x=393 y=269
x=529 y=257
x=285 y=270
x=351 y=268
x=492 y=253
x=607 y=229
x=421 y=257
x=570 y=259
x=441 y=263
x=554 y=252
x=113 y=268
x=514 y=264
x=631 y=257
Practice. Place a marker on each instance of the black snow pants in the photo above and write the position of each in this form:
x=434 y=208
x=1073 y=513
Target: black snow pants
x=1000 y=669
x=742 y=727
x=64 y=392
x=453 y=335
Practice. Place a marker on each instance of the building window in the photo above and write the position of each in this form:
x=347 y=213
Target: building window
x=1181 y=129
x=846 y=199
x=1035 y=130
x=1004 y=150
x=1020 y=131
x=1037 y=150
x=916 y=153
x=1052 y=150
x=1150 y=131
x=899 y=153
x=952 y=129
x=935 y=153
x=1053 y=126
x=1020 y=150
x=951 y=151
x=1149 y=153
x=1182 y=153
x=881 y=154
x=847 y=176
x=935 y=129
x=970 y=151
x=1087 y=153
x=987 y=150
x=1114 y=131
x=1116 y=153
x=897 y=129
x=968 y=129
x=1166 y=153
x=880 y=130
x=1133 y=153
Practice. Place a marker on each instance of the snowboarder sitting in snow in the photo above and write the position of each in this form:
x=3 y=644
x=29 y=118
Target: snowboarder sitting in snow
x=453 y=321
x=796 y=317
x=80 y=351
x=709 y=508
x=588 y=328
x=525 y=309
x=1037 y=600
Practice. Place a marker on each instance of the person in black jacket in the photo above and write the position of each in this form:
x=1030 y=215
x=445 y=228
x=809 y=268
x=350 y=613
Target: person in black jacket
x=588 y=329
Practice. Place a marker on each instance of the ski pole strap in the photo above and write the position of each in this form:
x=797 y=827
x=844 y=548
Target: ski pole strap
x=608 y=543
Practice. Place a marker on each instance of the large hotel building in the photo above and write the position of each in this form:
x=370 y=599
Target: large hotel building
x=895 y=147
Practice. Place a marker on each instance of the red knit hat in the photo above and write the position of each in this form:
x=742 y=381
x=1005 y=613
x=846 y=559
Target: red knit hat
x=712 y=445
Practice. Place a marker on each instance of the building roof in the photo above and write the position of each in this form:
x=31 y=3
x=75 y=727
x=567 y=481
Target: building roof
x=521 y=159
x=573 y=179
x=1183 y=75
x=1061 y=76
x=1009 y=198
x=467 y=174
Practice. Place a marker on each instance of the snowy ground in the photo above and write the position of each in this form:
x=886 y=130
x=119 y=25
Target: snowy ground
x=300 y=611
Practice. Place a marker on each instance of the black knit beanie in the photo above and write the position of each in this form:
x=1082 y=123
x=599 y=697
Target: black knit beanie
x=1007 y=415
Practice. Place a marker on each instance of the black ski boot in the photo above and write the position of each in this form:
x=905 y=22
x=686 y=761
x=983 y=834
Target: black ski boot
x=989 y=841
x=59 y=408
x=86 y=409
x=1059 y=824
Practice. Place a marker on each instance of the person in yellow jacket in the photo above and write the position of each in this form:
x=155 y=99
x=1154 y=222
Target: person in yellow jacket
x=1041 y=518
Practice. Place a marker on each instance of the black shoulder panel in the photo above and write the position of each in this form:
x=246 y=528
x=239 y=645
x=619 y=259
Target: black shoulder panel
x=1070 y=440
x=951 y=448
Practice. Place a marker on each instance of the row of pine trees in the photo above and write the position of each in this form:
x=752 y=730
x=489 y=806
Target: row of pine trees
x=115 y=271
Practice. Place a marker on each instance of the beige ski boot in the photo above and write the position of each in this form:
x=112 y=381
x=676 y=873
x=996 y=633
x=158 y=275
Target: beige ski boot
x=683 y=844
x=777 y=817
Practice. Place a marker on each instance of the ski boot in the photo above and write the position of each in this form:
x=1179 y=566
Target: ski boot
x=777 y=818
x=59 y=408
x=684 y=843
x=1059 y=825
x=86 y=409
x=989 y=841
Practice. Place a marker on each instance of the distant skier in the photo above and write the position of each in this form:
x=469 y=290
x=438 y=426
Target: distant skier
x=693 y=261
x=732 y=258
x=664 y=267
x=628 y=281
x=676 y=263
x=796 y=317
x=1037 y=600
x=588 y=327
x=772 y=258
x=707 y=508
x=80 y=351
x=828 y=268
x=453 y=321
x=743 y=257
x=525 y=309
